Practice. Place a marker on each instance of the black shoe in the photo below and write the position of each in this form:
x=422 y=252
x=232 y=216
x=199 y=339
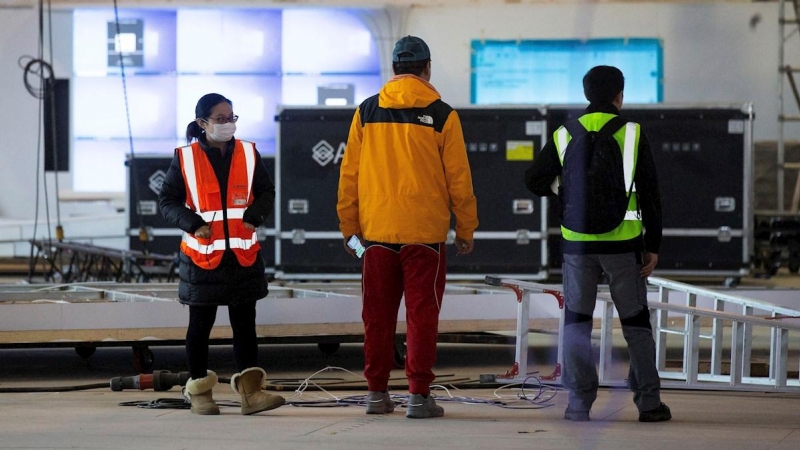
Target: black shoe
x=576 y=416
x=659 y=414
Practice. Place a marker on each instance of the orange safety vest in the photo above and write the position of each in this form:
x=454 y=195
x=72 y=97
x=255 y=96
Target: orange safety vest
x=204 y=197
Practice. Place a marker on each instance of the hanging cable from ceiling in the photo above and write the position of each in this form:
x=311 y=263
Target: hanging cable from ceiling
x=143 y=233
x=39 y=80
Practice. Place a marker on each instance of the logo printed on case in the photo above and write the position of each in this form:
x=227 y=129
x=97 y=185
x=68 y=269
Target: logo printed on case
x=324 y=153
x=155 y=181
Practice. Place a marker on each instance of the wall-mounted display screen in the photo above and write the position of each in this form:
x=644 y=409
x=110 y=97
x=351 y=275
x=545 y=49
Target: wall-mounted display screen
x=229 y=41
x=339 y=43
x=258 y=58
x=100 y=107
x=255 y=100
x=146 y=40
x=551 y=71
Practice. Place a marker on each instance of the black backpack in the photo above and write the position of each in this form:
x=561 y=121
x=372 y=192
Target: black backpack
x=593 y=192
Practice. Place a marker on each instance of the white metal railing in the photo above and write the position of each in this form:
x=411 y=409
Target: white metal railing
x=738 y=314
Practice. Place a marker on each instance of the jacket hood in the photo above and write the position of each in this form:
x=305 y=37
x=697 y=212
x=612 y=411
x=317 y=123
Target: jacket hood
x=407 y=91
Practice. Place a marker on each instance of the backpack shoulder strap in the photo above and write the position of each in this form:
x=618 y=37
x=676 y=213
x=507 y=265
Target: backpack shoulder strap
x=613 y=125
x=575 y=128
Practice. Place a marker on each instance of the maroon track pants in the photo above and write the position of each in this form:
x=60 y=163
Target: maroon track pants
x=417 y=270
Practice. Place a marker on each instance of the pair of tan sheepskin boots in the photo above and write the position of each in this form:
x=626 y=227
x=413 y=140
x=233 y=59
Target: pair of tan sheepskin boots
x=246 y=383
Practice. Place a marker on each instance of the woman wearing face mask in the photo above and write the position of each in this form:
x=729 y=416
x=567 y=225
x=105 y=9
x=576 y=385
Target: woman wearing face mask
x=217 y=191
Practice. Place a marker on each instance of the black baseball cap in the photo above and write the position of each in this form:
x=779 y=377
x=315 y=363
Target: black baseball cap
x=410 y=48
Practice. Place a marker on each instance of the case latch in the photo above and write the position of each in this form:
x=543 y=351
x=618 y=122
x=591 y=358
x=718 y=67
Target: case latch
x=298 y=206
x=523 y=237
x=725 y=204
x=522 y=206
x=724 y=234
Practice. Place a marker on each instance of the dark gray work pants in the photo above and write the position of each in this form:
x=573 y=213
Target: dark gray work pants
x=582 y=274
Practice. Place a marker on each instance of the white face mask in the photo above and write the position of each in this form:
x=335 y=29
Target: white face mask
x=222 y=132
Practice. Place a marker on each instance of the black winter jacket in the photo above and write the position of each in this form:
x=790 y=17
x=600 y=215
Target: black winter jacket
x=229 y=282
x=547 y=166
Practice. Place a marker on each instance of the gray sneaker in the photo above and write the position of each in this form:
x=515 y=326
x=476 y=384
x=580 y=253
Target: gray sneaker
x=576 y=416
x=420 y=407
x=379 y=403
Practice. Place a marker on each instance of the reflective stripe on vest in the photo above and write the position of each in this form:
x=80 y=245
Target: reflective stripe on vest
x=203 y=195
x=628 y=139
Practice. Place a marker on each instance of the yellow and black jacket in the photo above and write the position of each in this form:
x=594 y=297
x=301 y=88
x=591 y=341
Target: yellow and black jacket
x=405 y=168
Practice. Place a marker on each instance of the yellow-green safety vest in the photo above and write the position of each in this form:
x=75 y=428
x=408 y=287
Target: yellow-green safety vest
x=628 y=139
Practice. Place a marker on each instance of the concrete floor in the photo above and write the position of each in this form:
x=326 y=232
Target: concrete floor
x=94 y=419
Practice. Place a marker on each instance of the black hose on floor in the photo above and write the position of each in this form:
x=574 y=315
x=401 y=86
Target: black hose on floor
x=77 y=387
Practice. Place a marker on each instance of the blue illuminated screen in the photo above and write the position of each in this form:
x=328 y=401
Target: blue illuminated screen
x=91 y=41
x=551 y=71
x=258 y=58
x=229 y=41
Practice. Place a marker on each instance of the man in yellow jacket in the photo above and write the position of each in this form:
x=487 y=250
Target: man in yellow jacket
x=404 y=173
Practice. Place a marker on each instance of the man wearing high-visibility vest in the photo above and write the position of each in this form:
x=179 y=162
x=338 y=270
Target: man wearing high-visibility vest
x=624 y=253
